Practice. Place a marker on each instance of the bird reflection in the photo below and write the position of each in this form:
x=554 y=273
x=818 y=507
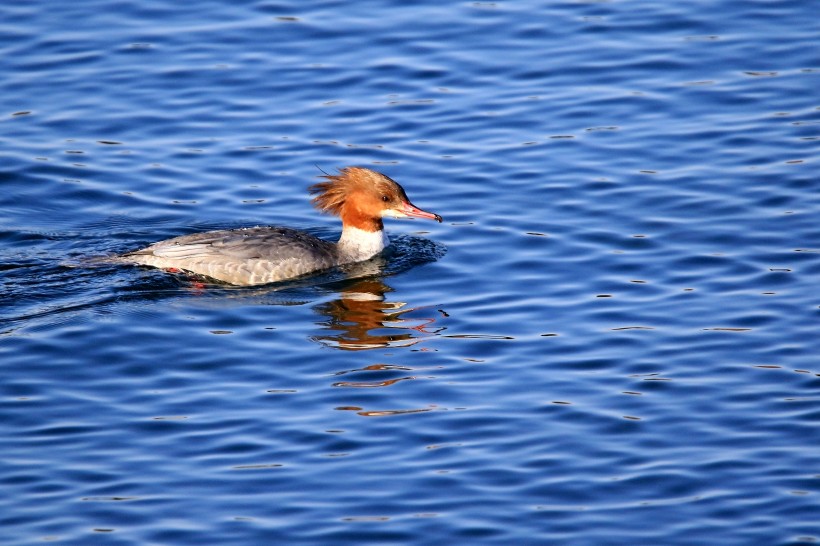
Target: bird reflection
x=362 y=318
x=359 y=318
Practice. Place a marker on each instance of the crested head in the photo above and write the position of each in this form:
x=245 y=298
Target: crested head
x=362 y=197
x=333 y=195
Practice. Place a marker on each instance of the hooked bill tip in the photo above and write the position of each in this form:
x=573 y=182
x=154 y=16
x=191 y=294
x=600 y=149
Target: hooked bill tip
x=410 y=210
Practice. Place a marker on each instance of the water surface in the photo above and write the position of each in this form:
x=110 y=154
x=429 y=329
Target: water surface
x=612 y=338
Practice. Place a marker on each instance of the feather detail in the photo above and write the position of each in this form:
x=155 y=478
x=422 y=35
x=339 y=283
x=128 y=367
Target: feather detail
x=332 y=196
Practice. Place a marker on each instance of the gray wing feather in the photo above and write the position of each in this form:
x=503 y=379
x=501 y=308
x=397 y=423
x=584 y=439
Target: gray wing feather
x=241 y=244
x=242 y=256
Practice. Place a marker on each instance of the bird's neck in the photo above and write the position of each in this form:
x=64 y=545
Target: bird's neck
x=357 y=244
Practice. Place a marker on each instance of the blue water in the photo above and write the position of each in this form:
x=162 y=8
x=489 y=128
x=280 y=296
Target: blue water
x=611 y=340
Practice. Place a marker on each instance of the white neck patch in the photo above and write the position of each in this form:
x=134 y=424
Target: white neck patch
x=356 y=245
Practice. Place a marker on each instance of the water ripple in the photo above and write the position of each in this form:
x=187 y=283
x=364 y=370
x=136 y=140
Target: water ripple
x=615 y=324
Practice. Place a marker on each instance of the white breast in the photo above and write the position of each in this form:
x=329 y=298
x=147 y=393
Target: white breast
x=357 y=244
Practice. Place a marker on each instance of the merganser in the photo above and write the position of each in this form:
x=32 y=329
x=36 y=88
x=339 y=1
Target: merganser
x=260 y=255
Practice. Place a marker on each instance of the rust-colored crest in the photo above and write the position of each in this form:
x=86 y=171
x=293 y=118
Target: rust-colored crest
x=330 y=196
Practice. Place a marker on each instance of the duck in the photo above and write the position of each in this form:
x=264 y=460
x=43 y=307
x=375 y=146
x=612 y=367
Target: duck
x=251 y=256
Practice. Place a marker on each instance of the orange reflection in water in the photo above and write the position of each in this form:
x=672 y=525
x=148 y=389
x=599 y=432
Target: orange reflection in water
x=363 y=319
x=371 y=384
x=384 y=413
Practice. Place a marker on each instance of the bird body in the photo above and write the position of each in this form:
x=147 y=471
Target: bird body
x=260 y=255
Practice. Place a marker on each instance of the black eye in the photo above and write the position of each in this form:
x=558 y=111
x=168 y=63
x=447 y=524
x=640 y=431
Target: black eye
x=386 y=198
